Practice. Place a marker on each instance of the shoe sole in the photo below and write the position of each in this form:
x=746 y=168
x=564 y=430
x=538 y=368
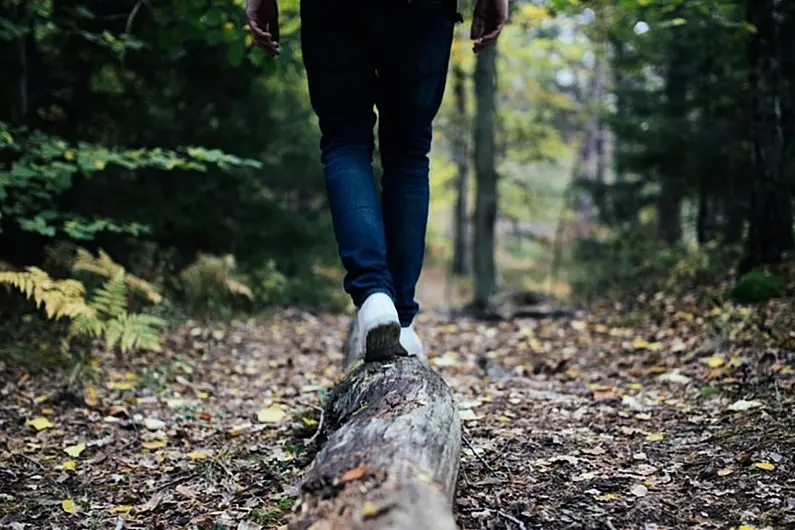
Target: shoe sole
x=383 y=343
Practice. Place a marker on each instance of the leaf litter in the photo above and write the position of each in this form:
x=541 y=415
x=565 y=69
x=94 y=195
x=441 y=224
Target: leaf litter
x=646 y=416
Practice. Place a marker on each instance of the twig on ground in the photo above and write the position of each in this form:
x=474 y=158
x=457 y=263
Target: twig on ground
x=609 y=524
x=514 y=519
x=467 y=440
x=319 y=425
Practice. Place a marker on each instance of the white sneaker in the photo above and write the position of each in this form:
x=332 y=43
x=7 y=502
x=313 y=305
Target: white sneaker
x=411 y=342
x=378 y=329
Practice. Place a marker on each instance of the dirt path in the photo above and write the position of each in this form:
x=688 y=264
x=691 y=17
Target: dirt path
x=670 y=417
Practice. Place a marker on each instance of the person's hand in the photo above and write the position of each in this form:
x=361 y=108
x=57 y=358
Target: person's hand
x=487 y=22
x=263 y=18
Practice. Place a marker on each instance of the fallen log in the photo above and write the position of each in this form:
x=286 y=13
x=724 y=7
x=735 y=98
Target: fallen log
x=390 y=459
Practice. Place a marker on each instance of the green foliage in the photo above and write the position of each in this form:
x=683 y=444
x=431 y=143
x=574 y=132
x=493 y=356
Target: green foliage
x=631 y=262
x=37 y=168
x=757 y=286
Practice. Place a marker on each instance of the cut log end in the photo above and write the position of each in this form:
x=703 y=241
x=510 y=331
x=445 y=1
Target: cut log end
x=393 y=442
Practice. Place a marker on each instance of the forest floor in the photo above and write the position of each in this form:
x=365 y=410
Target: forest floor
x=663 y=415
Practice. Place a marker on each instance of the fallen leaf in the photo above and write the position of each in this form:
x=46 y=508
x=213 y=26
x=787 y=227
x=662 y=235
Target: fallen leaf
x=601 y=393
x=69 y=506
x=90 y=396
x=238 y=429
x=272 y=414
x=639 y=490
x=120 y=385
x=607 y=497
x=594 y=451
x=354 y=474
x=674 y=377
x=746 y=527
x=154 y=444
x=41 y=399
x=369 y=509
x=154 y=424
x=75 y=450
x=767 y=466
x=69 y=465
x=197 y=455
x=309 y=422
x=741 y=405
x=185 y=491
x=122 y=508
x=467 y=415
x=40 y=423
x=655 y=436
x=715 y=361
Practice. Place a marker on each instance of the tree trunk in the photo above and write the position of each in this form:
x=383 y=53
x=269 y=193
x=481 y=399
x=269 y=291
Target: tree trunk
x=391 y=456
x=669 y=204
x=461 y=156
x=486 y=175
x=770 y=233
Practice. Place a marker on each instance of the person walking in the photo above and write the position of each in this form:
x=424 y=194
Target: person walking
x=393 y=56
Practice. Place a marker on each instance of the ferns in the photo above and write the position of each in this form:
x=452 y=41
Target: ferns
x=104 y=266
x=211 y=276
x=60 y=298
x=105 y=315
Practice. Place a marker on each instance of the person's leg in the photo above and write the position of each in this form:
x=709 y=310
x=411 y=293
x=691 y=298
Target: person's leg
x=342 y=88
x=411 y=80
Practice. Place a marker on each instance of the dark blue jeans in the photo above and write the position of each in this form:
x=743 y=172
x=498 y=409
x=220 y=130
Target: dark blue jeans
x=391 y=55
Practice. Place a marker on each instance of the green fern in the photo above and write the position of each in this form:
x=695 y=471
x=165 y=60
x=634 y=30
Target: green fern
x=136 y=331
x=110 y=300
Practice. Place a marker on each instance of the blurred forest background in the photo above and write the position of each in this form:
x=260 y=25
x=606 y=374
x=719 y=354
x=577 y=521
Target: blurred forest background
x=153 y=164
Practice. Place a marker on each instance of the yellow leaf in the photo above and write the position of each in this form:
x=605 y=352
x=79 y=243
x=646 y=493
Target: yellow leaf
x=155 y=444
x=40 y=423
x=715 y=361
x=203 y=395
x=69 y=465
x=640 y=344
x=655 y=437
x=237 y=430
x=75 y=450
x=309 y=422
x=635 y=386
x=197 y=455
x=746 y=527
x=99 y=164
x=120 y=385
x=767 y=466
x=272 y=414
x=122 y=508
x=369 y=509
x=606 y=497
x=69 y=155
x=90 y=396
x=41 y=399
x=69 y=506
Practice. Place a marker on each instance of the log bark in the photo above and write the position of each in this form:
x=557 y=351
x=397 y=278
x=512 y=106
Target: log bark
x=390 y=459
